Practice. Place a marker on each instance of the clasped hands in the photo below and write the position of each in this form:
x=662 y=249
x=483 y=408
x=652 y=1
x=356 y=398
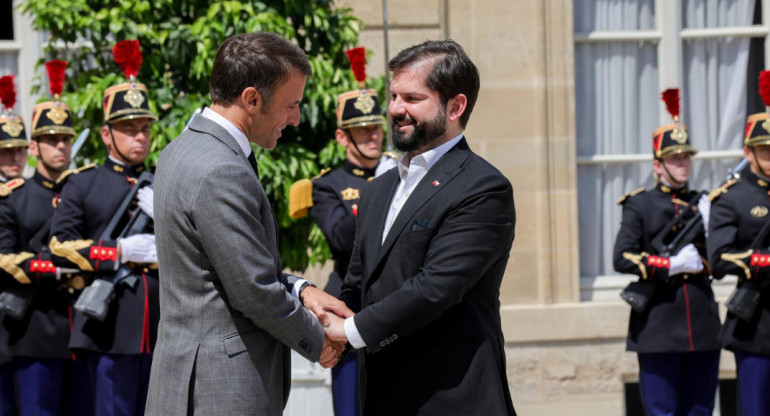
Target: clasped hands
x=331 y=313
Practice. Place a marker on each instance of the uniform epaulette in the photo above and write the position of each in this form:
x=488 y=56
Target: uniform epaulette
x=392 y=154
x=8 y=187
x=323 y=172
x=625 y=196
x=722 y=189
x=69 y=172
x=301 y=195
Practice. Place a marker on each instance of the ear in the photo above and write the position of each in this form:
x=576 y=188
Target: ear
x=105 y=133
x=33 y=146
x=341 y=137
x=251 y=100
x=456 y=107
x=746 y=152
x=657 y=166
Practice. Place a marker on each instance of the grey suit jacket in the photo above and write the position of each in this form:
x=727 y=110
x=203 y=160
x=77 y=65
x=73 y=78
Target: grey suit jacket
x=227 y=316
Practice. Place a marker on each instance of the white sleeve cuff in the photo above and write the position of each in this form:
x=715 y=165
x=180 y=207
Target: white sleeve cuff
x=295 y=289
x=354 y=338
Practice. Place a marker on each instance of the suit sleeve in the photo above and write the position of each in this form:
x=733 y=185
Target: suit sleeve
x=474 y=235
x=227 y=211
x=69 y=244
x=629 y=255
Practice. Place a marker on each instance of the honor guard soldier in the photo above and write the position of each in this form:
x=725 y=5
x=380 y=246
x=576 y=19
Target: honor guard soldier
x=13 y=158
x=738 y=245
x=39 y=330
x=676 y=333
x=334 y=203
x=118 y=344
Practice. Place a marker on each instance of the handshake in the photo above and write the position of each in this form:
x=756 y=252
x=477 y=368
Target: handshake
x=331 y=313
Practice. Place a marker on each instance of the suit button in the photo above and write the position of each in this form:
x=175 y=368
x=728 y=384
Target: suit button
x=382 y=343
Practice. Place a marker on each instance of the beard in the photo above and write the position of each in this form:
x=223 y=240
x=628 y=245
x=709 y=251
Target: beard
x=423 y=134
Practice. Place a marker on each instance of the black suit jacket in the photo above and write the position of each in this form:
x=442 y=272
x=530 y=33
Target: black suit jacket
x=427 y=299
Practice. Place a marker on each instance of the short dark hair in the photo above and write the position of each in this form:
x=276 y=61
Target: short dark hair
x=452 y=73
x=262 y=60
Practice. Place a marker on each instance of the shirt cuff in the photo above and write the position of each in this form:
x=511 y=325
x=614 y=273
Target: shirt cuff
x=354 y=338
x=297 y=285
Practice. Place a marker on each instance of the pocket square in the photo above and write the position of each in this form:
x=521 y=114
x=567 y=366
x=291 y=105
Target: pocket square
x=419 y=224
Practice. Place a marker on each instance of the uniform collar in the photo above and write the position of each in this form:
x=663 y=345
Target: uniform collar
x=356 y=170
x=662 y=187
x=121 y=169
x=750 y=177
x=45 y=182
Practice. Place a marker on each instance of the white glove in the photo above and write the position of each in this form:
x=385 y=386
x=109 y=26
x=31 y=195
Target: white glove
x=704 y=207
x=686 y=261
x=144 y=197
x=60 y=271
x=139 y=248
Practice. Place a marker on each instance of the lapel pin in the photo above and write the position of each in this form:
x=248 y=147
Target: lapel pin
x=436 y=183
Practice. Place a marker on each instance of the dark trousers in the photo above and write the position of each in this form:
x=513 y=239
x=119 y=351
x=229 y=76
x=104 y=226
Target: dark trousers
x=678 y=384
x=119 y=382
x=7 y=391
x=41 y=385
x=345 y=386
x=753 y=383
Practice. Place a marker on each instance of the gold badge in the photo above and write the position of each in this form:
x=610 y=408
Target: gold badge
x=665 y=189
x=57 y=114
x=758 y=211
x=364 y=103
x=78 y=282
x=358 y=172
x=766 y=125
x=762 y=183
x=679 y=135
x=13 y=128
x=134 y=97
x=118 y=168
x=349 y=193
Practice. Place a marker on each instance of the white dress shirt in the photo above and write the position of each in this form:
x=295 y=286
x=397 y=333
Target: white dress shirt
x=411 y=172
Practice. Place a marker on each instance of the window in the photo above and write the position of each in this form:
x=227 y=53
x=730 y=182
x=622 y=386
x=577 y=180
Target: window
x=626 y=53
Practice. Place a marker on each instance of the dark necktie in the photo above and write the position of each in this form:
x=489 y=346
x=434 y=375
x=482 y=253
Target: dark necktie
x=253 y=163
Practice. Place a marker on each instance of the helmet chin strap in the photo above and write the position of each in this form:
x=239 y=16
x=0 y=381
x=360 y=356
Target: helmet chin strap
x=756 y=161
x=350 y=137
x=671 y=177
x=41 y=159
x=115 y=145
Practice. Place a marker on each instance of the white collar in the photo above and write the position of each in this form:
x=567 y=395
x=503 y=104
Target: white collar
x=228 y=125
x=430 y=157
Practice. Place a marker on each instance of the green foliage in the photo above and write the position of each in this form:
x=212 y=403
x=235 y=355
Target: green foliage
x=179 y=39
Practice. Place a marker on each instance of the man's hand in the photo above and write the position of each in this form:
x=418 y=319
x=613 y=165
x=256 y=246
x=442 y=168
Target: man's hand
x=335 y=331
x=330 y=355
x=320 y=302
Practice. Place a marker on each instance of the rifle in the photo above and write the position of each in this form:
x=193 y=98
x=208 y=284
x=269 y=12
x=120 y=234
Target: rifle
x=745 y=298
x=677 y=233
x=128 y=220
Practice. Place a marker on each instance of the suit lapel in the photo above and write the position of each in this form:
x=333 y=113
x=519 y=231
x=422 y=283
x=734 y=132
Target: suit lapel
x=379 y=211
x=434 y=182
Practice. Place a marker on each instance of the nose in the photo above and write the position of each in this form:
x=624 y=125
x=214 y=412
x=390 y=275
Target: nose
x=294 y=117
x=396 y=106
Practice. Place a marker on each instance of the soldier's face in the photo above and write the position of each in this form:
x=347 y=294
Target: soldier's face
x=418 y=116
x=132 y=138
x=368 y=139
x=54 y=150
x=674 y=169
x=12 y=161
x=759 y=158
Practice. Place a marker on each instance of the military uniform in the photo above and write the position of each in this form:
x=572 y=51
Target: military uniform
x=739 y=211
x=118 y=349
x=12 y=134
x=676 y=337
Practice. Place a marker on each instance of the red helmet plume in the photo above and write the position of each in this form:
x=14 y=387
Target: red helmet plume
x=128 y=55
x=764 y=87
x=671 y=98
x=55 y=71
x=7 y=92
x=357 y=58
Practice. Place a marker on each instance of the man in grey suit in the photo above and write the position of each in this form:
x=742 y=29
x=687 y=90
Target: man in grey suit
x=228 y=313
